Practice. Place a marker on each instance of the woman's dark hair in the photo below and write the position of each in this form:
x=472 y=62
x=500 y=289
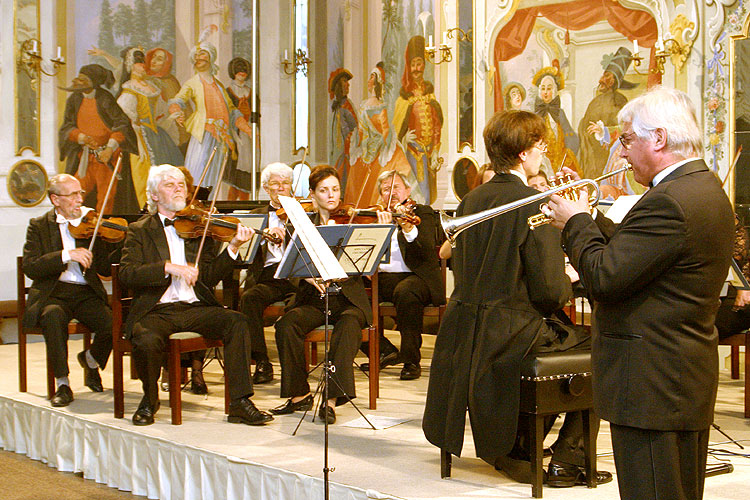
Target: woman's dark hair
x=320 y=173
x=508 y=134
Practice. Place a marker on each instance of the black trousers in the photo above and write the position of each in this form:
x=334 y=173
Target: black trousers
x=346 y=336
x=151 y=334
x=70 y=301
x=410 y=294
x=663 y=465
x=255 y=299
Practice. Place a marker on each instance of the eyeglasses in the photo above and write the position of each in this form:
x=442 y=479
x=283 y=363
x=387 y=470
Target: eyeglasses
x=277 y=185
x=627 y=139
x=80 y=193
x=541 y=147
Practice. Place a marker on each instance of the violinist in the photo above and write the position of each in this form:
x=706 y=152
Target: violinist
x=350 y=311
x=66 y=285
x=171 y=294
x=276 y=179
x=411 y=279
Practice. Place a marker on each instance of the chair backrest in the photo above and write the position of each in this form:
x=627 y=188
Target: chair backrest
x=21 y=290
x=120 y=303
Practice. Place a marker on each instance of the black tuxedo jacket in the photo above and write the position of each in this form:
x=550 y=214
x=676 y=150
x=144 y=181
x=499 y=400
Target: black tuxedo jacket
x=142 y=267
x=420 y=255
x=42 y=262
x=655 y=279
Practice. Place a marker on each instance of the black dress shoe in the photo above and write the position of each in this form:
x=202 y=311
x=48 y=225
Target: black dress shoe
x=288 y=407
x=145 y=413
x=263 y=372
x=560 y=476
x=197 y=384
x=63 y=397
x=411 y=371
x=91 y=377
x=326 y=414
x=386 y=360
x=243 y=411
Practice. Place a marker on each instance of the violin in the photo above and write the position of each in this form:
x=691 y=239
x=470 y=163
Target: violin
x=347 y=214
x=111 y=230
x=191 y=221
x=307 y=206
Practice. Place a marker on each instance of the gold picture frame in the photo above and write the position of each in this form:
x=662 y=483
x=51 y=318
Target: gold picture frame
x=463 y=178
x=27 y=183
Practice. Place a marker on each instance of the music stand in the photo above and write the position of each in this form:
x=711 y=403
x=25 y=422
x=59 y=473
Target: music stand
x=330 y=253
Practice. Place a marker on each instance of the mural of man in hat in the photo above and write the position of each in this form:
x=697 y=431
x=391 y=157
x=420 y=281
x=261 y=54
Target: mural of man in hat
x=562 y=141
x=94 y=133
x=603 y=108
x=215 y=121
x=344 y=125
x=418 y=119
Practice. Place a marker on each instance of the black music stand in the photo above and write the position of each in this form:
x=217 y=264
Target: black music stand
x=358 y=249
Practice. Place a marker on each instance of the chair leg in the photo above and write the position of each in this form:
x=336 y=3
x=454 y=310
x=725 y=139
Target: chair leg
x=117 y=382
x=747 y=378
x=589 y=447
x=537 y=454
x=735 y=361
x=50 y=380
x=445 y=464
x=374 y=378
x=21 y=360
x=86 y=341
x=175 y=388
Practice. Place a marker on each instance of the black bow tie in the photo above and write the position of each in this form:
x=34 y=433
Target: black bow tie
x=271 y=208
x=168 y=222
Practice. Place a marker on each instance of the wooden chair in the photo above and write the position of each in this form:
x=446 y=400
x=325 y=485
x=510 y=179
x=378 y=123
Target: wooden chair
x=388 y=309
x=179 y=342
x=735 y=342
x=73 y=328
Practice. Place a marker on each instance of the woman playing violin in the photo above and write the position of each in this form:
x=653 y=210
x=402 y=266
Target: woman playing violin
x=350 y=312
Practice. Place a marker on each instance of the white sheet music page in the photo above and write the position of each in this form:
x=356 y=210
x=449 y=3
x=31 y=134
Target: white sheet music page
x=621 y=207
x=321 y=255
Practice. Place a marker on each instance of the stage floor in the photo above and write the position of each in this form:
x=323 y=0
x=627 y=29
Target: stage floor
x=396 y=462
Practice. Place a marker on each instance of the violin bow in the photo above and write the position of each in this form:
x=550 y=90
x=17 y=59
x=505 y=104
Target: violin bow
x=361 y=192
x=731 y=167
x=213 y=204
x=203 y=176
x=104 y=203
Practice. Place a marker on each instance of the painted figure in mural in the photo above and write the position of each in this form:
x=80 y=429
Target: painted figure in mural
x=94 y=133
x=418 y=119
x=378 y=148
x=561 y=139
x=239 y=176
x=624 y=182
x=343 y=124
x=159 y=67
x=514 y=94
x=215 y=120
x=602 y=111
x=141 y=99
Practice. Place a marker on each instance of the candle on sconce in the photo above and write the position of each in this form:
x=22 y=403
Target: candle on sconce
x=429 y=43
x=635 y=47
x=34 y=46
x=445 y=38
x=59 y=52
x=659 y=45
x=286 y=55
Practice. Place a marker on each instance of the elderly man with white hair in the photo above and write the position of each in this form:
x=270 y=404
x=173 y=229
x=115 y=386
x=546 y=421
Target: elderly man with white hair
x=276 y=180
x=215 y=121
x=172 y=293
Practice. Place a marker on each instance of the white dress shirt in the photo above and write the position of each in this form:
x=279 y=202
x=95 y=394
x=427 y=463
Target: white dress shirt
x=74 y=273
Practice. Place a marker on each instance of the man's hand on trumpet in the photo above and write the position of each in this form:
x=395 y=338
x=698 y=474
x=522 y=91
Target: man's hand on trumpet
x=561 y=209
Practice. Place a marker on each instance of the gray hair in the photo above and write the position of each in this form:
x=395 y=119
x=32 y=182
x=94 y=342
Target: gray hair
x=54 y=183
x=155 y=176
x=277 y=168
x=387 y=175
x=670 y=110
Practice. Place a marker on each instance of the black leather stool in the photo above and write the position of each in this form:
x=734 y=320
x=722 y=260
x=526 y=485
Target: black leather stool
x=551 y=383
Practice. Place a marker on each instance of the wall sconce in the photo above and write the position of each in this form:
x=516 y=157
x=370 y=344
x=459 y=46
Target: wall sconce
x=670 y=48
x=30 y=59
x=442 y=53
x=300 y=64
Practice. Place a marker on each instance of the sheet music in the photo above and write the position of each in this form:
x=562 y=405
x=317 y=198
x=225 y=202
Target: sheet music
x=322 y=257
x=621 y=207
x=255 y=221
x=359 y=255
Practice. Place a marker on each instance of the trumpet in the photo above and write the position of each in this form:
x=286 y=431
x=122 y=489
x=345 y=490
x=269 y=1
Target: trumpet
x=453 y=226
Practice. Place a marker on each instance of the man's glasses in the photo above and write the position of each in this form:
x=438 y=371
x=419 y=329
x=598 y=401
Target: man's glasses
x=277 y=185
x=80 y=193
x=627 y=139
x=541 y=147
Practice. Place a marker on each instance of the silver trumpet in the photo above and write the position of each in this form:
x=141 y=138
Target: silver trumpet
x=453 y=226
